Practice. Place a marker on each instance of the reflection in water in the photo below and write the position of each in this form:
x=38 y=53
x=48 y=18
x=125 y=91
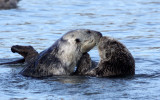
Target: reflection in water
x=69 y=79
x=40 y=23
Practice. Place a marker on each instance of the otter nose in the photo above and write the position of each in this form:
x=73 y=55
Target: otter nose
x=99 y=34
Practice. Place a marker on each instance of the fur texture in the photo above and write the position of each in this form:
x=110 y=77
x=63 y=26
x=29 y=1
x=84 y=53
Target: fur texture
x=8 y=4
x=61 y=58
x=115 y=60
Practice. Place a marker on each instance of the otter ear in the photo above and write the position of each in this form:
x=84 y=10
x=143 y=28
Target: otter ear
x=77 y=40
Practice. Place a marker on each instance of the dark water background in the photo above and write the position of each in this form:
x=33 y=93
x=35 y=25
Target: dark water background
x=136 y=23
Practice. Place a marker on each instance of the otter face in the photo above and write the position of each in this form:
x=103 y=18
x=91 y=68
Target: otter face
x=106 y=47
x=86 y=39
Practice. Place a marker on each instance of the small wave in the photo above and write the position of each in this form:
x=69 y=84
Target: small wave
x=152 y=75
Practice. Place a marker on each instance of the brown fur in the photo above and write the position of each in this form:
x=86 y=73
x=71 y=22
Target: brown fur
x=8 y=4
x=116 y=60
x=61 y=58
x=83 y=64
x=28 y=52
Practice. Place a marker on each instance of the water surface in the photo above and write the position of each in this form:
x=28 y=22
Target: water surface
x=136 y=23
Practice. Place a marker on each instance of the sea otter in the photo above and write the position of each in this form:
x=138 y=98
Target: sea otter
x=62 y=57
x=8 y=4
x=115 y=60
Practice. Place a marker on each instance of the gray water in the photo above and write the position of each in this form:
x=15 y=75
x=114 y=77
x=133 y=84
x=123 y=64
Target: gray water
x=39 y=23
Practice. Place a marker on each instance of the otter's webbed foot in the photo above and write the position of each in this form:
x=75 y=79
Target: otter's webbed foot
x=28 y=52
x=24 y=51
x=84 y=65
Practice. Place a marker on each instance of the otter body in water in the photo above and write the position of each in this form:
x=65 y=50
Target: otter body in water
x=8 y=4
x=115 y=60
x=62 y=57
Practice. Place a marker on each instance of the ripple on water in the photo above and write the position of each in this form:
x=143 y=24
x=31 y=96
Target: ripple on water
x=41 y=23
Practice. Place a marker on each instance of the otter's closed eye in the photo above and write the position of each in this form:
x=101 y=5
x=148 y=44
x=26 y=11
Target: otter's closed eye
x=88 y=31
x=77 y=40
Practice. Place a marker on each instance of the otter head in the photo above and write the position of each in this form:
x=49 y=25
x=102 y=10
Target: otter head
x=24 y=51
x=85 y=39
x=106 y=47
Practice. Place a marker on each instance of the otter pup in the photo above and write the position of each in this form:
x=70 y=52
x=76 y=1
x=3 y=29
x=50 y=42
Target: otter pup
x=115 y=60
x=8 y=4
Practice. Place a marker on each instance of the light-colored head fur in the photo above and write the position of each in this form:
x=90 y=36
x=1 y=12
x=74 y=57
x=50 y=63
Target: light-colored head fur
x=74 y=43
x=61 y=58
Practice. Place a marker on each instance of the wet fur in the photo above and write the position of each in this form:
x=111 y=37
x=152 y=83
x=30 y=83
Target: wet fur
x=83 y=65
x=62 y=57
x=8 y=4
x=116 y=60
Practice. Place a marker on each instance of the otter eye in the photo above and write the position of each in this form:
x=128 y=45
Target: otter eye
x=77 y=40
x=88 y=31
